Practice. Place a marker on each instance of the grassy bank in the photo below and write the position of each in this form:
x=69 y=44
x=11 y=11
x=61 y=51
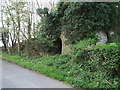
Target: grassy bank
x=36 y=64
x=90 y=66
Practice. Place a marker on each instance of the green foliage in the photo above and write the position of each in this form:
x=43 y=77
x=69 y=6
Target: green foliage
x=79 y=49
x=48 y=29
x=80 y=20
x=43 y=45
x=42 y=11
x=59 y=61
x=99 y=64
x=3 y=30
x=33 y=64
x=107 y=57
x=84 y=43
x=49 y=25
x=90 y=66
x=118 y=12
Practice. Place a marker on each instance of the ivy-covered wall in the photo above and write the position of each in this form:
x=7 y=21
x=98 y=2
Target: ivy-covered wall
x=78 y=20
x=81 y=20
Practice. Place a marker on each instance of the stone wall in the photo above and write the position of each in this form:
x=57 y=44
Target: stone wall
x=102 y=37
x=65 y=48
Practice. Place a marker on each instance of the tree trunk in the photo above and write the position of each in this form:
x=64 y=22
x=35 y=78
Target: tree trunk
x=18 y=33
x=4 y=41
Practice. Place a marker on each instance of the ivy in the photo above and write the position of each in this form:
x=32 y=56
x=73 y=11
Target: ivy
x=77 y=20
x=80 y=20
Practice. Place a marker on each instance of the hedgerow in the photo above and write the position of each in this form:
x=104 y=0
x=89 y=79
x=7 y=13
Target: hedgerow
x=89 y=66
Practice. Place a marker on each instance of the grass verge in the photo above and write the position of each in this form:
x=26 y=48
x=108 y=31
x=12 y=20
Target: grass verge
x=37 y=65
x=90 y=66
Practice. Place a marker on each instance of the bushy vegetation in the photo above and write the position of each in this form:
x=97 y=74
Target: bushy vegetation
x=48 y=29
x=81 y=20
x=99 y=63
x=90 y=65
x=76 y=21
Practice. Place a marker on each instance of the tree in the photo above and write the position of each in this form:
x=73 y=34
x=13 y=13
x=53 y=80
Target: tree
x=18 y=18
x=4 y=32
x=81 y=18
x=49 y=30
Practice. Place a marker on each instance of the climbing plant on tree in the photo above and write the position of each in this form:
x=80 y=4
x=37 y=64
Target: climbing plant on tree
x=49 y=29
x=76 y=20
x=80 y=19
x=118 y=21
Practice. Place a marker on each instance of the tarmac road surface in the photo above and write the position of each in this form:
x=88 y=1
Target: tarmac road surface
x=14 y=76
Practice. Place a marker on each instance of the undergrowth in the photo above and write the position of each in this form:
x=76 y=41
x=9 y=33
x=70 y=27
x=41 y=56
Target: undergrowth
x=89 y=66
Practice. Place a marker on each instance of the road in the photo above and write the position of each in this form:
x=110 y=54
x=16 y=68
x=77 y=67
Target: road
x=14 y=76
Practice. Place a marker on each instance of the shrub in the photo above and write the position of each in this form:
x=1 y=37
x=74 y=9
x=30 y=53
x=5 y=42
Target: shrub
x=90 y=66
x=98 y=64
x=78 y=49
